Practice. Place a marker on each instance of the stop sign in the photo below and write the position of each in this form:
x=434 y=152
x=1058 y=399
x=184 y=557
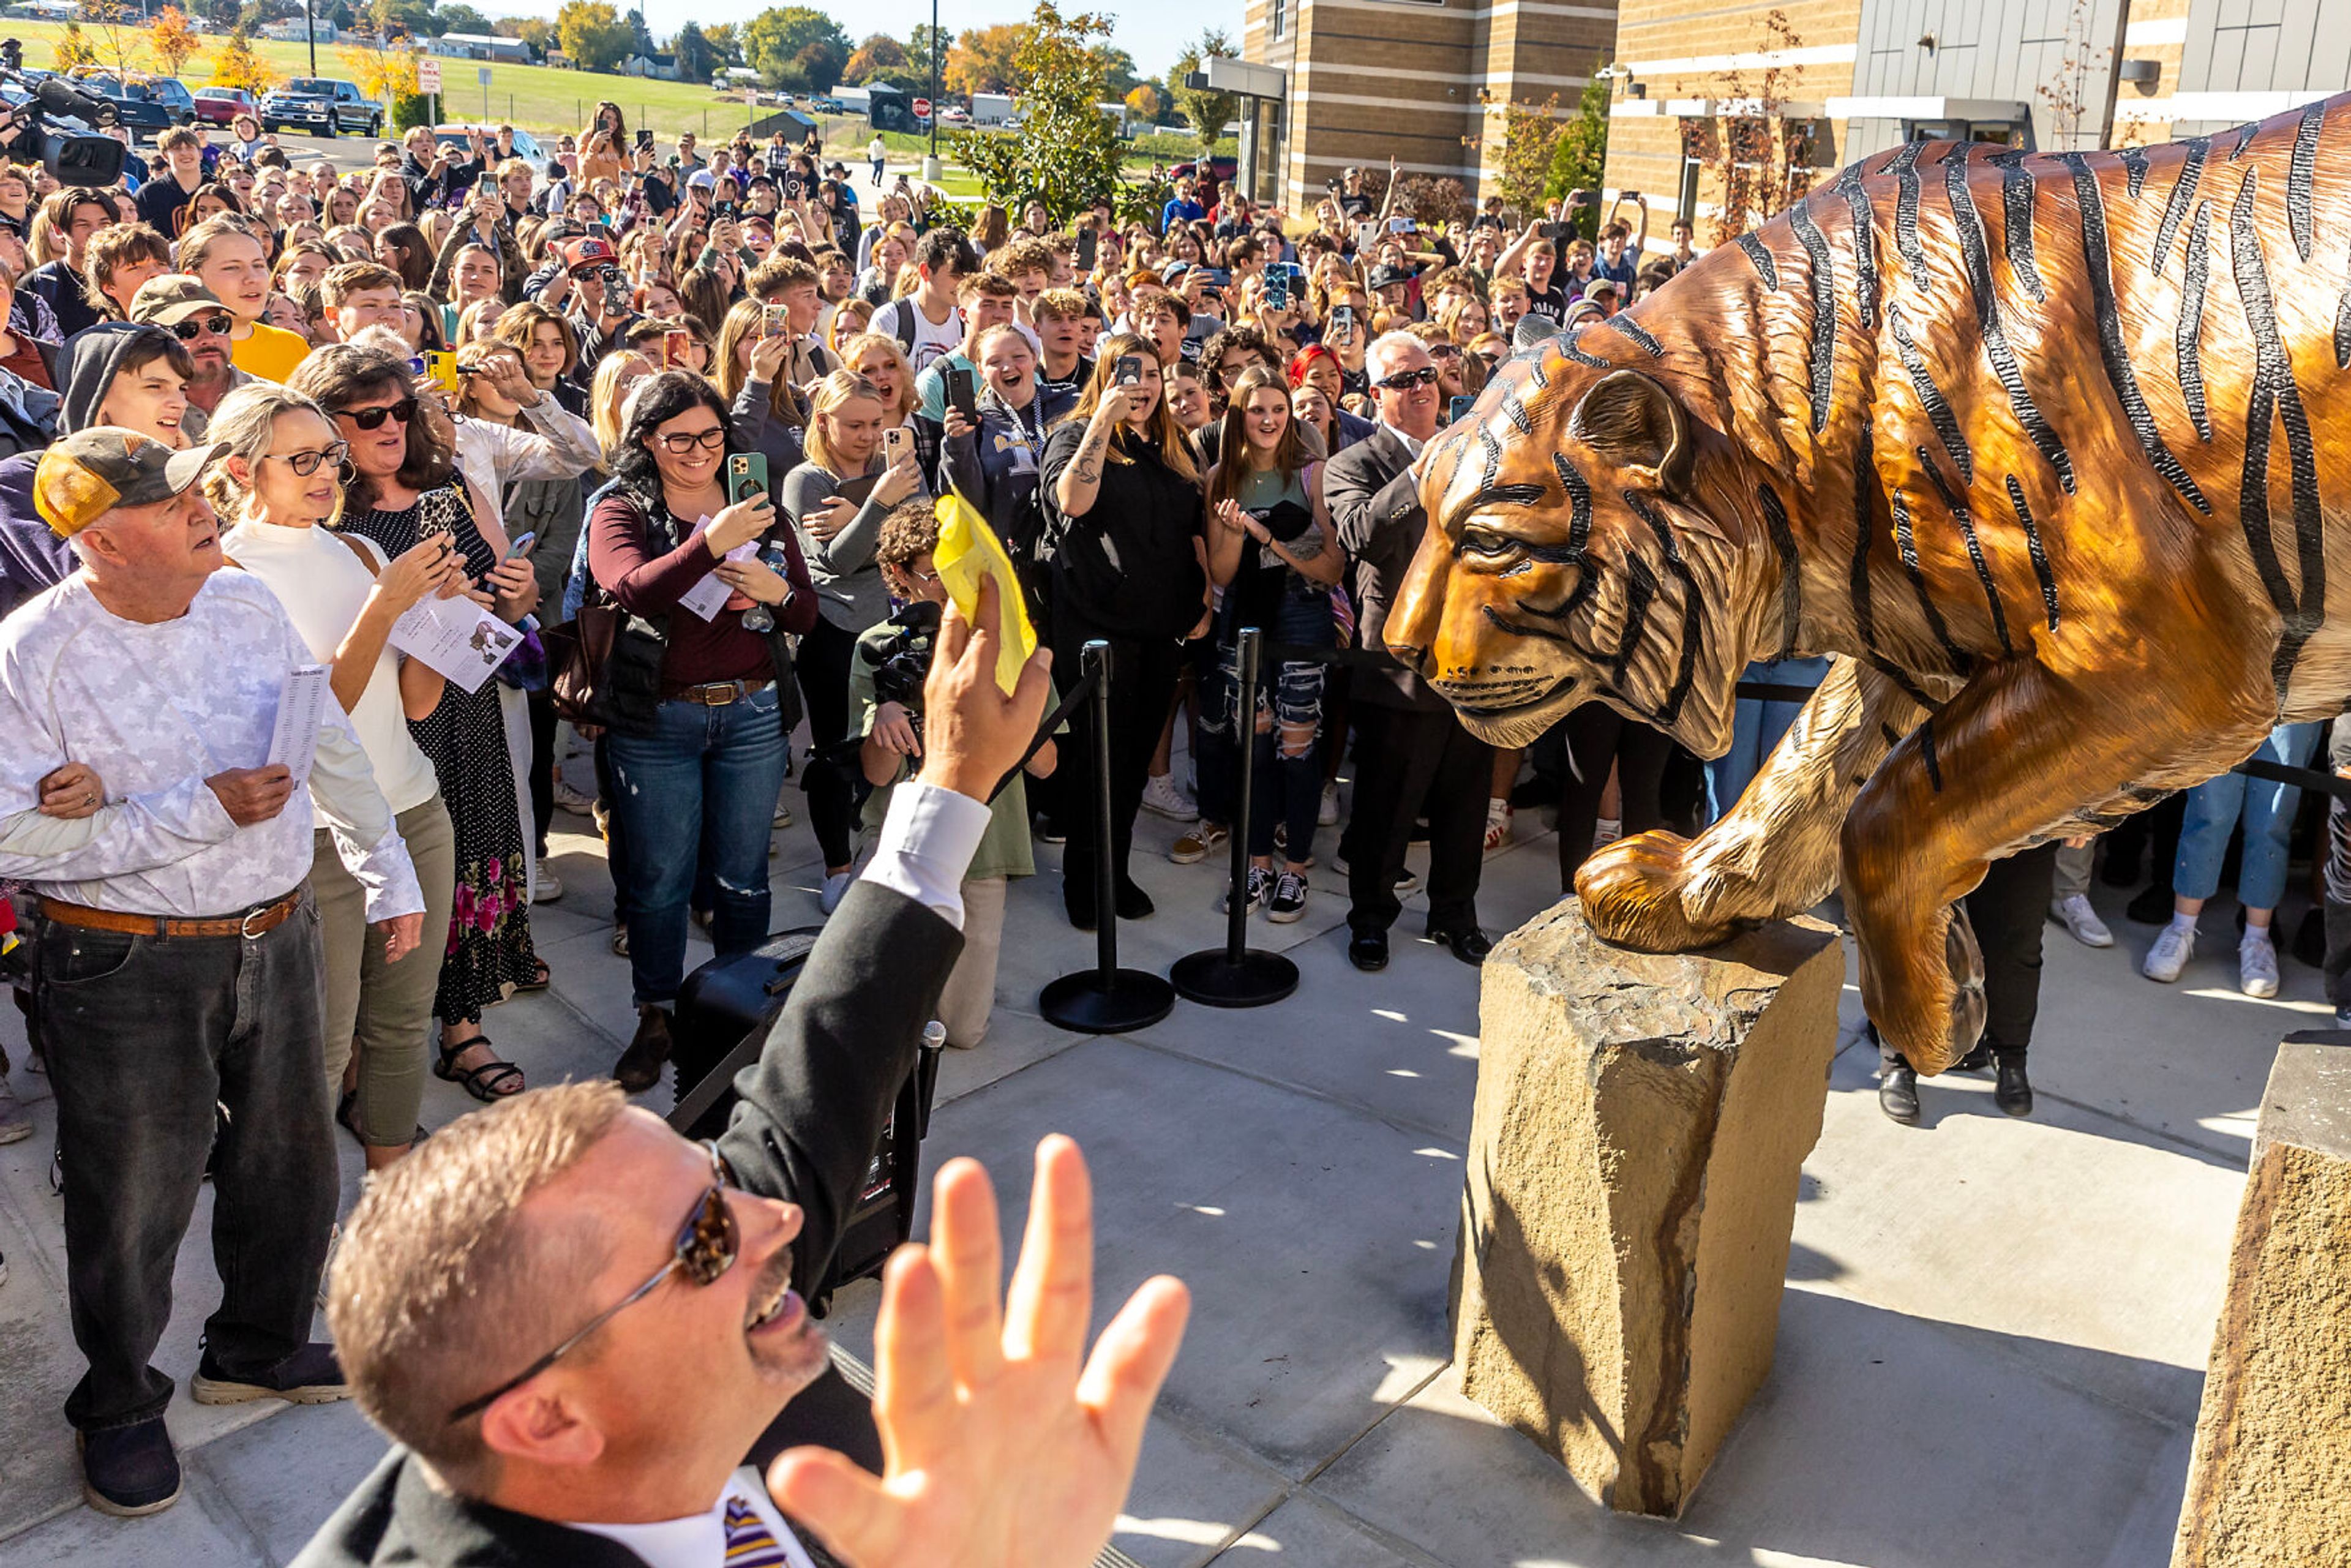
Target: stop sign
x=922 y=108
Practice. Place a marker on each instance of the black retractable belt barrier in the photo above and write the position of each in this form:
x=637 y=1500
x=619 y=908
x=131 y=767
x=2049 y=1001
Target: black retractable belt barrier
x=1104 y=999
x=1236 y=975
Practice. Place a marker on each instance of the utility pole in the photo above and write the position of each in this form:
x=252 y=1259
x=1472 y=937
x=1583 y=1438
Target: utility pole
x=931 y=163
x=311 y=25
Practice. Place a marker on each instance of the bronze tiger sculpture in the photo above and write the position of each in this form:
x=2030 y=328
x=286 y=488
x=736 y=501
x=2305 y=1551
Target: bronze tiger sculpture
x=2043 y=444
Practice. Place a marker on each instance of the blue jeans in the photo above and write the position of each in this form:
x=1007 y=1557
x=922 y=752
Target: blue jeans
x=1756 y=727
x=2214 y=808
x=1288 y=786
x=702 y=784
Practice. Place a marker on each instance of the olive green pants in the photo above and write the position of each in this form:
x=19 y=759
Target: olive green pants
x=384 y=1011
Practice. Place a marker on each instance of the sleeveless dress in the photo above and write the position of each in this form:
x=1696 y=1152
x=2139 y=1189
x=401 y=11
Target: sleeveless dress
x=488 y=950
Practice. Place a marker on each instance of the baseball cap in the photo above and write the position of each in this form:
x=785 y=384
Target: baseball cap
x=590 y=252
x=173 y=298
x=1387 y=277
x=1600 y=285
x=90 y=473
x=702 y=177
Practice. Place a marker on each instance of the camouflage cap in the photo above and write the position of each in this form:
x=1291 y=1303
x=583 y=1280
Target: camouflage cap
x=90 y=473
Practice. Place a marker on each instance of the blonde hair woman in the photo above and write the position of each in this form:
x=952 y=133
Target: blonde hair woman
x=850 y=318
x=877 y=358
x=752 y=369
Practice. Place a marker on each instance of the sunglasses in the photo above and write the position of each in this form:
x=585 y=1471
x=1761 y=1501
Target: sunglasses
x=682 y=442
x=307 y=463
x=195 y=327
x=400 y=413
x=706 y=1248
x=1404 y=381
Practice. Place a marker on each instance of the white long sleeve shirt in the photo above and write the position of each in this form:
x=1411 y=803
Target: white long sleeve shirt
x=558 y=445
x=156 y=709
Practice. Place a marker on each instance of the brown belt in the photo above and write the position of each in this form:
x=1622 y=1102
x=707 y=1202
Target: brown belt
x=717 y=694
x=254 y=922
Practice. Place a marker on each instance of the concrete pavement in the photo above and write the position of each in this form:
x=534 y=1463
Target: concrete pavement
x=1990 y=1351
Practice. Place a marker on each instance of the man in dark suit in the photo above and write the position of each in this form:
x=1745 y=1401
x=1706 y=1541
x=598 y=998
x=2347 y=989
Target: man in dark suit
x=1412 y=755
x=573 y=1373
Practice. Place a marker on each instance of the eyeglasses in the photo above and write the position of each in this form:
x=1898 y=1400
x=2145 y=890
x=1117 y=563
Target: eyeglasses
x=400 y=413
x=195 y=327
x=1404 y=381
x=1444 y=351
x=682 y=442
x=307 y=463
x=704 y=1250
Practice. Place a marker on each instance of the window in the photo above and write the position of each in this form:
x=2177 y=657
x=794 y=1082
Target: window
x=1278 y=23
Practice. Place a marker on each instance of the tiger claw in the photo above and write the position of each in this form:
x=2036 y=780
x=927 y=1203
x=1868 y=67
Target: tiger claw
x=1635 y=894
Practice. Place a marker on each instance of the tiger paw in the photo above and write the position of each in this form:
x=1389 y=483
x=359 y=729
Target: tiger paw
x=1643 y=893
x=1933 y=1030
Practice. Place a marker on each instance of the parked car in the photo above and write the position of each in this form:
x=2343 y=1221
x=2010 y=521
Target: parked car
x=146 y=106
x=1222 y=168
x=955 y=114
x=454 y=137
x=321 y=106
x=222 y=105
x=828 y=106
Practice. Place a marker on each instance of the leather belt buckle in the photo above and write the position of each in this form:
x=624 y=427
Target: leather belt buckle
x=244 y=927
x=720 y=693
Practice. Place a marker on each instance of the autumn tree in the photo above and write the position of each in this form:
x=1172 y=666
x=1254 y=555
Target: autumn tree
x=1579 y=159
x=172 y=38
x=986 y=59
x=1143 y=103
x=1066 y=152
x=383 y=74
x=120 y=42
x=238 y=64
x=1517 y=145
x=795 y=47
x=1761 y=161
x=878 y=53
x=592 y=35
x=1207 y=113
x=73 y=48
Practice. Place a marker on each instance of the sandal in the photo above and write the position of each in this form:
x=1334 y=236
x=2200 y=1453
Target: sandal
x=482 y=1082
x=541 y=978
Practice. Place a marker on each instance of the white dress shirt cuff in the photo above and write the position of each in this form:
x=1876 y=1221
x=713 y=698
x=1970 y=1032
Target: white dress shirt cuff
x=928 y=842
x=387 y=878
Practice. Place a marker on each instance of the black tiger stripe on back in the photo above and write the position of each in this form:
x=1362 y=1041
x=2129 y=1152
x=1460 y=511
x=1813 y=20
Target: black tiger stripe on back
x=1567 y=346
x=2133 y=162
x=1761 y=255
x=2274 y=397
x=2090 y=200
x=2017 y=189
x=1516 y=413
x=1865 y=490
x=2033 y=546
x=1638 y=333
x=2176 y=205
x=1930 y=396
x=1822 y=358
x=2343 y=329
x=2188 y=337
x=1693 y=610
x=1792 y=568
x=1864 y=242
x=1926 y=754
x=2300 y=172
x=1957 y=505
x=1906 y=545
x=1973 y=255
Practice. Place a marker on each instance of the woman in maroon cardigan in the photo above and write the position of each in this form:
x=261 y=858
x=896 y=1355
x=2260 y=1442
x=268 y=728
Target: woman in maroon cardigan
x=698 y=690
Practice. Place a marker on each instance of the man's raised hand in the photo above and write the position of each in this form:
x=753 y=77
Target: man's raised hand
x=1006 y=1446
x=974 y=733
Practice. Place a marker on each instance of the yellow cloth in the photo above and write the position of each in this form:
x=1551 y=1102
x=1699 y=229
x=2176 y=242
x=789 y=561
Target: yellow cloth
x=271 y=353
x=968 y=551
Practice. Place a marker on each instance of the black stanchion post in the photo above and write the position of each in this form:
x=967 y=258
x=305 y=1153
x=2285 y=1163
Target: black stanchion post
x=1236 y=975
x=1104 y=999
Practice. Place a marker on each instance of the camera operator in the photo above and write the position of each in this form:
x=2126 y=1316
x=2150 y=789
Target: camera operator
x=886 y=696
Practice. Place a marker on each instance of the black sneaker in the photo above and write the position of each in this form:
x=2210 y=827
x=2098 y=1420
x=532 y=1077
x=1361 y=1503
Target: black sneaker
x=1288 y=899
x=311 y=1376
x=1260 y=887
x=640 y=1066
x=129 y=1471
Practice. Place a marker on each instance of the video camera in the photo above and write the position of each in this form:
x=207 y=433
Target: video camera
x=69 y=152
x=902 y=664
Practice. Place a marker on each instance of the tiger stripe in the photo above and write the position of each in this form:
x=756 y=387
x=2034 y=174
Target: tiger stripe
x=2017 y=189
x=1968 y=224
x=1638 y=333
x=2187 y=339
x=1926 y=754
x=2090 y=199
x=1865 y=242
x=2133 y=162
x=2042 y=570
x=1865 y=486
x=1567 y=346
x=1642 y=588
x=1930 y=396
x=1516 y=413
x=1906 y=545
x=1957 y=505
x=1822 y=354
x=2274 y=397
x=1693 y=611
x=1760 y=256
x=2343 y=329
x=1792 y=569
x=2299 y=174
x=2176 y=205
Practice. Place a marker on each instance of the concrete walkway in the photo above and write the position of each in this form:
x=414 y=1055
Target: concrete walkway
x=1990 y=1351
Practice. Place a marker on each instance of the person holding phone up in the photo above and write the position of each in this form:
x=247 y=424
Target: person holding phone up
x=861 y=464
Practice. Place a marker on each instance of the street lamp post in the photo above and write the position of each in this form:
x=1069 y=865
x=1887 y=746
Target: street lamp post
x=931 y=163
x=310 y=26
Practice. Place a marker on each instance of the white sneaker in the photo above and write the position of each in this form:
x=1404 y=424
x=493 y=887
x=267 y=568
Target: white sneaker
x=1326 y=815
x=1607 y=831
x=783 y=817
x=836 y=888
x=2257 y=970
x=570 y=798
x=547 y=888
x=2170 y=954
x=2074 y=912
x=15 y=1122
x=1162 y=797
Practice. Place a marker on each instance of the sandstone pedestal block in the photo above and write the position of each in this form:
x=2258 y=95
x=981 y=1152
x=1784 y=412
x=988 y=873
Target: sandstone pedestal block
x=1640 y=1126
x=2270 y=1479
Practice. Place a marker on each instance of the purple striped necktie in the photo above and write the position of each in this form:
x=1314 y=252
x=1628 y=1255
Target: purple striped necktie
x=750 y=1543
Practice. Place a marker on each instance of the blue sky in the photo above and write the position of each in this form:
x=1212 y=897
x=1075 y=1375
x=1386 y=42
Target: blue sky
x=1153 y=31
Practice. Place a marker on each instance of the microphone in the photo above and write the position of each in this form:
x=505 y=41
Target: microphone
x=60 y=97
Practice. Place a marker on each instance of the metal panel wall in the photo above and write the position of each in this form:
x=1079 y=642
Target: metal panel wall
x=2002 y=49
x=2267 y=45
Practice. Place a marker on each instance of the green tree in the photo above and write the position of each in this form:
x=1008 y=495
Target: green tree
x=641 y=37
x=697 y=60
x=1580 y=157
x=1519 y=136
x=394 y=17
x=795 y=47
x=591 y=35
x=460 y=18
x=1066 y=152
x=1207 y=113
x=926 y=51
x=725 y=44
x=1118 y=71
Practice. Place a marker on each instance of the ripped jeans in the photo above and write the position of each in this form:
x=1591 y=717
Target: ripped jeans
x=702 y=783
x=1289 y=780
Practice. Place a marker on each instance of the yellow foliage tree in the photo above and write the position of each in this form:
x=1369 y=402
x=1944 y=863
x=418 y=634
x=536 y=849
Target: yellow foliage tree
x=121 y=43
x=73 y=49
x=382 y=73
x=1143 y=102
x=172 y=38
x=238 y=64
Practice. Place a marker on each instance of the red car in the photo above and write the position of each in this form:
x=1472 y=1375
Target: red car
x=222 y=105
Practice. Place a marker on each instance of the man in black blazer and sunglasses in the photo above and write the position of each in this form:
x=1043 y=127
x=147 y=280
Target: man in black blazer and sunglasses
x=576 y=1323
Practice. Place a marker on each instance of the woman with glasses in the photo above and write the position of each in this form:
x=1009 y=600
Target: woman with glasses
x=396 y=490
x=700 y=714
x=279 y=487
x=837 y=500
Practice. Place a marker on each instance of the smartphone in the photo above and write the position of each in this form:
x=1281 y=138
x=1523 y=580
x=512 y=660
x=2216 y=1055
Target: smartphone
x=441 y=370
x=1342 y=323
x=677 y=350
x=1399 y=226
x=1457 y=408
x=1366 y=236
x=1277 y=291
x=1084 y=258
x=747 y=476
x=644 y=138
x=961 y=396
x=1129 y=371
x=776 y=321
x=894 y=442
x=521 y=546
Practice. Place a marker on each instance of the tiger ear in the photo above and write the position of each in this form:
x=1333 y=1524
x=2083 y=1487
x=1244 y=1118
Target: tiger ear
x=1635 y=422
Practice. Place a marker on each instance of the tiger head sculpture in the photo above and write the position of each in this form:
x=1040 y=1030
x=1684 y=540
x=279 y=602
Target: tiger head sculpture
x=2036 y=442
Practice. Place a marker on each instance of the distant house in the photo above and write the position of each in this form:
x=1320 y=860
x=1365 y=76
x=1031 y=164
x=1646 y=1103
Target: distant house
x=660 y=68
x=481 y=47
x=296 y=31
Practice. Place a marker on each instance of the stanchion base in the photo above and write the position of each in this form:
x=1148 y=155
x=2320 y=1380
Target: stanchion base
x=1212 y=979
x=1081 y=1003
